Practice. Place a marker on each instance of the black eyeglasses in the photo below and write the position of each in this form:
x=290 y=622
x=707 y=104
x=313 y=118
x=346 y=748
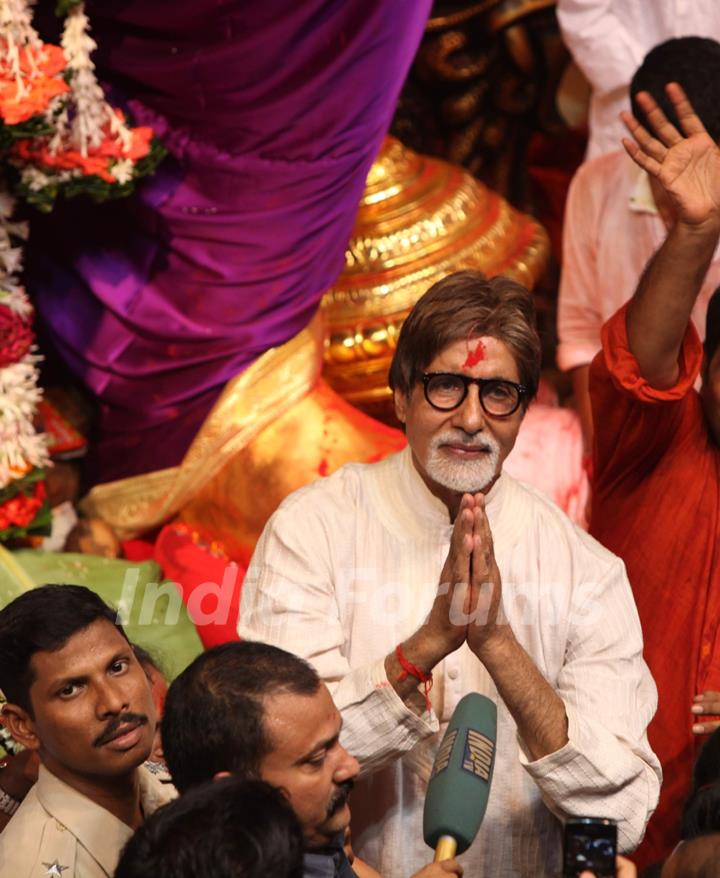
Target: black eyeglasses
x=446 y=391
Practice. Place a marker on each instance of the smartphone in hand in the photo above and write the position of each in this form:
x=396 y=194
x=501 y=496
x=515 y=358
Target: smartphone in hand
x=590 y=845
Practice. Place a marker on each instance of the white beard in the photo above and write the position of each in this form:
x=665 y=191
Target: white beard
x=462 y=476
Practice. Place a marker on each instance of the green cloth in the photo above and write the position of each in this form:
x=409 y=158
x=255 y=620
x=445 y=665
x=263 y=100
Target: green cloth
x=153 y=613
x=13 y=578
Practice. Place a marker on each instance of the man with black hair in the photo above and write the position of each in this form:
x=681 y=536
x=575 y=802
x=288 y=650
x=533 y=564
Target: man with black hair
x=256 y=711
x=77 y=695
x=657 y=481
x=252 y=710
x=230 y=828
x=617 y=215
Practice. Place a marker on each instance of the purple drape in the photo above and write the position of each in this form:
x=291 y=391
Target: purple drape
x=273 y=111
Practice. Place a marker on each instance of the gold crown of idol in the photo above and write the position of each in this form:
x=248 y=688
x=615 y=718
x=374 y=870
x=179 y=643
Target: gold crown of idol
x=420 y=219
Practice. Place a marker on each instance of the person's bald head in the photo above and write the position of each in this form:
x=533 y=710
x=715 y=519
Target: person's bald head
x=697 y=858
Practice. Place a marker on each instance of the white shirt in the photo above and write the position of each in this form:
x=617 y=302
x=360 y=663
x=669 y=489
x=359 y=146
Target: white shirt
x=611 y=230
x=59 y=833
x=348 y=567
x=610 y=38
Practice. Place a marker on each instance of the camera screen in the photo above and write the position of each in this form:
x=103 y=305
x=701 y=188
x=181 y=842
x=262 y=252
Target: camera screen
x=591 y=847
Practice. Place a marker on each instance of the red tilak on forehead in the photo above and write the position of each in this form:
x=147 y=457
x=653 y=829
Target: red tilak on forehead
x=475 y=356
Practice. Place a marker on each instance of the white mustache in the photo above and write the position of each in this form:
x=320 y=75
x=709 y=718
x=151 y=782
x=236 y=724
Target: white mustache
x=467 y=440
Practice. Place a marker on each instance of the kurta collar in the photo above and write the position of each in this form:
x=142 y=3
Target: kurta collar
x=641 y=198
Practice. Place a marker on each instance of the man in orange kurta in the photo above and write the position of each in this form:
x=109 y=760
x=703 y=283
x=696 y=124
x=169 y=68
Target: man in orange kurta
x=656 y=500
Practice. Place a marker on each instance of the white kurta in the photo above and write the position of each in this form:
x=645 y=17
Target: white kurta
x=348 y=567
x=610 y=38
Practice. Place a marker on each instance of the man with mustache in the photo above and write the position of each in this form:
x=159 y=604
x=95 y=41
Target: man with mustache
x=77 y=695
x=257 y=712
x=435 y=567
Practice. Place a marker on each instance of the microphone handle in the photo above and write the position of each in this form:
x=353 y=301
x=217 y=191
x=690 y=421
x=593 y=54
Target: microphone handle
x=445 y=849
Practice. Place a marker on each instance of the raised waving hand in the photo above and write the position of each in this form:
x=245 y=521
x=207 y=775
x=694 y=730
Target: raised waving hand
x=685 y=162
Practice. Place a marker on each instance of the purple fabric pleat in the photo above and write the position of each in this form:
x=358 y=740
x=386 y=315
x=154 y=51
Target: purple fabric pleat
x=273 y=113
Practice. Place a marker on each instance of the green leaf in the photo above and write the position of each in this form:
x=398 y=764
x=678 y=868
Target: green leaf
x=35 y=126
x=62 y=7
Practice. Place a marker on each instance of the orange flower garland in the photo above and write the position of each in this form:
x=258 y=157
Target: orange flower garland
x=40 y=81
x=99 y=161
x=88 y=147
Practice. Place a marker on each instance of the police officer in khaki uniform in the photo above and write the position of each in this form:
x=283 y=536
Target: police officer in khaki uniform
x=77 y=695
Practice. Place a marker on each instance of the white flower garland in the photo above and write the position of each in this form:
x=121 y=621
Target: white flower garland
x=93 y=117
x=10 y=255
x=17 y=32
x=15 y=298
x=21 y=447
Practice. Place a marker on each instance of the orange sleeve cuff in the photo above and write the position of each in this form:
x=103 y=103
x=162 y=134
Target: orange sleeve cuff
x=619 y=362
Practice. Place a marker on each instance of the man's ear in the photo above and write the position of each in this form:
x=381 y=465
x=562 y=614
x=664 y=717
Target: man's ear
x=20 y=725
x=400 y=401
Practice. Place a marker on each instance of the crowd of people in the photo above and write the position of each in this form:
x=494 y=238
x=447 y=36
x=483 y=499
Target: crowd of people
x=650 y=397
x=377 y=597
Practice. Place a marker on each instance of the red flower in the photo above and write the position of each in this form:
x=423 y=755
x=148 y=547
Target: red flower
x=20 y=510
x=16 y=336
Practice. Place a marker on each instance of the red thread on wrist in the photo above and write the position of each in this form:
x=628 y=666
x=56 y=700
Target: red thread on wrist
x=411 y=670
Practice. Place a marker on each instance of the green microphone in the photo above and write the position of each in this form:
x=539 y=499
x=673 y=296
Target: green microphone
x=459 y=786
